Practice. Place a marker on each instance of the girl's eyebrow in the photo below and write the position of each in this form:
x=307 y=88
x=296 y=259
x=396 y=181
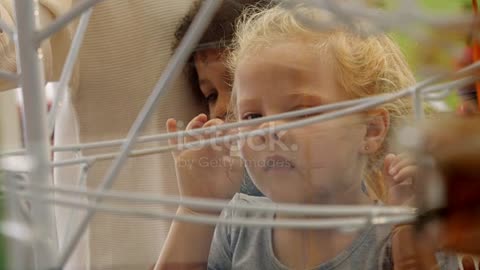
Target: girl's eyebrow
x=246 y=102
x=300 y=96
x=305 y=97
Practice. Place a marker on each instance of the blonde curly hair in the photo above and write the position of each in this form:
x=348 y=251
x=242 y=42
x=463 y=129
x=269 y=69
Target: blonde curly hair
x=366 y=65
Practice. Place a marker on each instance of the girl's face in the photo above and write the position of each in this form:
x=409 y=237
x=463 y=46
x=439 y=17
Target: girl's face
x=320 y=163
x=214 y=81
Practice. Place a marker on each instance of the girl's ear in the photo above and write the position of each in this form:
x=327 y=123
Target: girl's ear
x=378 y=123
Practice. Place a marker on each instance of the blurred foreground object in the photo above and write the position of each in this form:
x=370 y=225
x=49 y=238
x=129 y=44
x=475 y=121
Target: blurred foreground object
x=449 y=199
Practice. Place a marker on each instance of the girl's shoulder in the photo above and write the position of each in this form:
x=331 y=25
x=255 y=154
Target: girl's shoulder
x=243 y=205
x=242 y=198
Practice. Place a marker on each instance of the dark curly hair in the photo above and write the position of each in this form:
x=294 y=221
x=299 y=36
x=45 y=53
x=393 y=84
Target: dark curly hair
x=219 y=33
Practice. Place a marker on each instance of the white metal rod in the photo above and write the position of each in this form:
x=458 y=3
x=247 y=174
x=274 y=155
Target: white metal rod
x=65 y=19
x=16 y=152
x=199 y=131
x=76 y=161
x=296 y=124
x=10 y=31
x=37 y=140
x=216 y=204
x=325 y=223
x=68 y=68
x=257 y=132
x=209 y=130
x=80 y=184
x=468 y=70
x=110 y=156
x=195 y=132
x=309 y=121
x=439 y=95
x=395 y=19
x=17 y=251
x=199 y=143
x=163 y=149
x=149 y=138
x=449 y=85
x=432 y=92
x=24 y=211
x=148 y=151
x=157 y=137
x=173 y=69
x=8 y=76
x=463 y=72
x=165 y=136
x=418 y=105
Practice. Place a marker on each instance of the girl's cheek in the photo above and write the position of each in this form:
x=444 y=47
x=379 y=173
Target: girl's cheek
x=244 y=150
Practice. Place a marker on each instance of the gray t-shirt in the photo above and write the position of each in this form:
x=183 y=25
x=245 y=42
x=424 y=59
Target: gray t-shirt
x=249 y=248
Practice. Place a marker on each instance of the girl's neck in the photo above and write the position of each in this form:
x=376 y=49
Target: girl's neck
x=306 y=249
x=354 y=195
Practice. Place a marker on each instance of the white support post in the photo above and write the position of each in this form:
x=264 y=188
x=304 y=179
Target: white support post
x=418 y=104
x=36 y=138
x=18 y=252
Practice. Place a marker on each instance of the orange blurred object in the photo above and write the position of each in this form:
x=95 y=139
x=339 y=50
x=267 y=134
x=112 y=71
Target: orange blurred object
x=454 y=174
x=476 y=48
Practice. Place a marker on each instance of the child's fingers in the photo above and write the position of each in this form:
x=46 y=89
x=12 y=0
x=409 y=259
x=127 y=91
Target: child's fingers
x=400 y=184
x=400 y=161
x=220 y=133
x=197 y=122
x=402 y=157
x=213 y=122
x=171 y=126
x=387 y=162
x=405 y=173
x=389 y=159
x=386 y=165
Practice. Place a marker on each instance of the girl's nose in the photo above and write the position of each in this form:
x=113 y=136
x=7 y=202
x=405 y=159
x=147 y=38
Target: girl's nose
x=271 y=133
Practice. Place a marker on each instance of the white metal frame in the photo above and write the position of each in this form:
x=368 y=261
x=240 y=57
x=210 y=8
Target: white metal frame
x=40 y=188
x=36 y=138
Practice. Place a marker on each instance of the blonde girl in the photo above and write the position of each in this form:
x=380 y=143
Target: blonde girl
x=279 y=65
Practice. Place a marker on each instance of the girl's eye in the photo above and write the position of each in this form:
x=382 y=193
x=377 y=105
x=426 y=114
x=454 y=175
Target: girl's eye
x=307 y=115
x=212 y=97
x=251 y=116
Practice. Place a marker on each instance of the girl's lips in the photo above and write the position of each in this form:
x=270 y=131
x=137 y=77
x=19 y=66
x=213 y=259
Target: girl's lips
x=278 y=162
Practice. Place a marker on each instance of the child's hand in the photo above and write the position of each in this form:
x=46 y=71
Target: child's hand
x=208 y=171
x=399 y=173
